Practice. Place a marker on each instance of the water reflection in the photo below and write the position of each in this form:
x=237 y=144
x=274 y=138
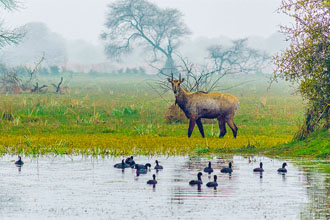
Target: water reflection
x=19 y=167
x=75 y=188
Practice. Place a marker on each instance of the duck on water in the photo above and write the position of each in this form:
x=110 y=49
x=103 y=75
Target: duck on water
x=19 y=162
x=158 y=167
x=153 y=181
x=130 y=161
x=198 y=181
x=259 y=169
x=227 y=169
x=122 y=165
x=208 y=169
x=214 y=183
x=142 y=169
x=283 y=169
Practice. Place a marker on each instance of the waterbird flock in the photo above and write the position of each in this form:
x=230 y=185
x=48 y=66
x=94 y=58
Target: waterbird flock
x=143 y=169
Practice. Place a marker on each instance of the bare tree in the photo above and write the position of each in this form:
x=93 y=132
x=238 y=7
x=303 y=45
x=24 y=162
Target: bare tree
x=38 y=88
x=8 y=36
x=132 y=23
x=239 y=58
x=58 y=86
x=222 y=61
x=9 y=4
x=20 y=78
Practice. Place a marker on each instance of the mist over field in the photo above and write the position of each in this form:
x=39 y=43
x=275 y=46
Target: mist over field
x=48 y=33
x=165 y=109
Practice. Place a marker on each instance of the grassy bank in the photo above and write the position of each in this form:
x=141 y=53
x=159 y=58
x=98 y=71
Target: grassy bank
x=317 y=145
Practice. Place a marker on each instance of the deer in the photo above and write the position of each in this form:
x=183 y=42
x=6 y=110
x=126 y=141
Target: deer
x=198 y=105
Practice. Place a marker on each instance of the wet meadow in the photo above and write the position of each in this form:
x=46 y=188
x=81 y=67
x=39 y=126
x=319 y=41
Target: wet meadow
x=124 y=115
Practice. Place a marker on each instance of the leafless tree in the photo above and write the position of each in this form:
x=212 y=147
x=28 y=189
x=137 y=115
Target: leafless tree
x=12 y=80
x=132 y=23
x=38 y=88
x=8 y=36
x=58 y=86
x=237 y=58
x=9 y=4
x=222 y=61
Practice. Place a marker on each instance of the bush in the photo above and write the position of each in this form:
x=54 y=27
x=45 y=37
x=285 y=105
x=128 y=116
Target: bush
x=175 y=115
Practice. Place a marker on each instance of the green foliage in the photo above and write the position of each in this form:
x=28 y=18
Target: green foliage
x=316 y=145
x=307 y=60
x=202 y=150
x=126 y=111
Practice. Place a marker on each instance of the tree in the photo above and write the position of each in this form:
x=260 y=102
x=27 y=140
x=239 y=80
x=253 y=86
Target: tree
x=237 y=58
x=306 y=62
x=54 y=70
x=222 y=61
x=8 y=36
x=132 y=23
x=38 y=41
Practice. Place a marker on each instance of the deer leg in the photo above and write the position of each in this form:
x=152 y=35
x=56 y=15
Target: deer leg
x=191 y=126
x=232 y=125
x=200 y=127
x=222 y=126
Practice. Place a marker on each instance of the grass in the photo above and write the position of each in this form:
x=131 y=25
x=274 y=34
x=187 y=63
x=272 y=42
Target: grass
x=116 y=115
x=317 y=145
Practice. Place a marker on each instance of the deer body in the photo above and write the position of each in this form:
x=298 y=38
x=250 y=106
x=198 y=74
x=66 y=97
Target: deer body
x=200 y=105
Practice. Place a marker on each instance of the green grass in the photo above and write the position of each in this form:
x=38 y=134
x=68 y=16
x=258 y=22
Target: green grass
x=317 y=145
x=118 y=115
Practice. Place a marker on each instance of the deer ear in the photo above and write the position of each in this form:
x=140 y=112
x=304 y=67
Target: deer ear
x=169 y=79
x=182 y=79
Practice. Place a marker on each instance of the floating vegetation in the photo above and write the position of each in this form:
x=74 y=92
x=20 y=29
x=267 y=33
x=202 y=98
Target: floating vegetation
x=113 y=144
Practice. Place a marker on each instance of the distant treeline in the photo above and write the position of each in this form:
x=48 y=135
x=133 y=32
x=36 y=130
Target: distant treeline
x=57 y=70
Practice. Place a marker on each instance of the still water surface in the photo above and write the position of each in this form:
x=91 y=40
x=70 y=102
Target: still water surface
x=88 y=188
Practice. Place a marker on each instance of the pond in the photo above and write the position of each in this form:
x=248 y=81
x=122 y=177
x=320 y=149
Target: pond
x=88 y=188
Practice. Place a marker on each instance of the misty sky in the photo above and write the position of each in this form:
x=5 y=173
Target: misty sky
x=84 y=19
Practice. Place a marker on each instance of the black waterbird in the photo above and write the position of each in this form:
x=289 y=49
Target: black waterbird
x=208 y=169
x=141 y=166
x=214 y=183
x=283 y=169
x=19 y=162
x=121 y=165
x=153 y=181
x=259 y=169
x=227 y=169
x=130 y=161
x=198 y=181
x=158 y=167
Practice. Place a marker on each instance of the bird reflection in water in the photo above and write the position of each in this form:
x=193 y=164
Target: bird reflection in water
x=19 y=168
x=199 y=188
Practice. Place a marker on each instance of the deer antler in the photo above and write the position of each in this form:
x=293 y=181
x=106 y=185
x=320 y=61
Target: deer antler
x=172 y=76
x=180 y=77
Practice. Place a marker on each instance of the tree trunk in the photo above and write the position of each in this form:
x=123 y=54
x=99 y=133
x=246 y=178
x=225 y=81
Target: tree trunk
x=169 y=66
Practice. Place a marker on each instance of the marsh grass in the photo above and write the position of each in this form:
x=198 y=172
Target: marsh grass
x=115 y=116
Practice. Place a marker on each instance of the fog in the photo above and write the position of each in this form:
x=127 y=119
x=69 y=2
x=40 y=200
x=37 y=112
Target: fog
x=78 y=24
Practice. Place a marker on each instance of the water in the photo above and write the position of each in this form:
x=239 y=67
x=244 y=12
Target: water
x=88 y=188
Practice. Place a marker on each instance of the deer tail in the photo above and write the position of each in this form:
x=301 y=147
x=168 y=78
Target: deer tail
x=237 y=105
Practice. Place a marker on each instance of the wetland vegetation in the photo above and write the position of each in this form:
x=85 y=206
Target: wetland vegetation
x=119 y=115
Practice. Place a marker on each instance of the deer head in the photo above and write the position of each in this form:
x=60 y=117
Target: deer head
x=175 y=83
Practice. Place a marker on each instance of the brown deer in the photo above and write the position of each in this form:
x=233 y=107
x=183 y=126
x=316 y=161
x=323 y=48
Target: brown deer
x=198 y=105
